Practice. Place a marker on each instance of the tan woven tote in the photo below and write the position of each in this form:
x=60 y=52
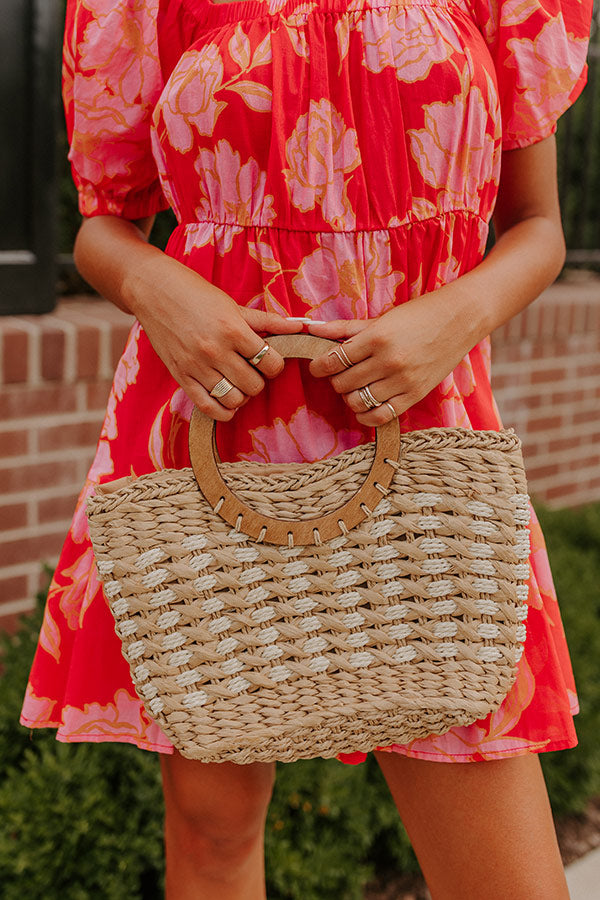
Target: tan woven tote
x=282 y=612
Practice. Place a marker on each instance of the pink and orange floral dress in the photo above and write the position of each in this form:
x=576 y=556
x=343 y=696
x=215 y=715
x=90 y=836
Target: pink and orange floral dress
x=324 y=158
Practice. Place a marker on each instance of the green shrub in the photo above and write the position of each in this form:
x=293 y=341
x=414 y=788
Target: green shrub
x=85 y=820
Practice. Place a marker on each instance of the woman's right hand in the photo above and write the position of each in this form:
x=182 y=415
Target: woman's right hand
x=198 y=330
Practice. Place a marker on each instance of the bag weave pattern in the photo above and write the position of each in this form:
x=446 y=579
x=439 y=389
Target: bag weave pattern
x=407 y=625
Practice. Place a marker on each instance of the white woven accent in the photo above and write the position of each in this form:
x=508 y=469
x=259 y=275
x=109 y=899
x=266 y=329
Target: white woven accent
x=141 y=673
x=263 y=614
x=231 y=666
x=400 y=632
x=345 y=579
x=304 y=604
x=432 y=545
x=435 y=566
x=382 y=508
x=212 y=605
x=521 y=571
x=387 y=551
x=318 y=663
x=484 y=529
x=482 y=567
x=194 y=542
x=279 y=673
x=105 y=566
x=184 y=679
x=447 y=649
x=350 y=598
x=168 y=619
x=150 y=558
x=201 y=561
x=393 y=589
x=156 y=706
x=486 y=606
x=194 y=699
x=387 y=571
x=217 y=626
x=379 y=529
x=486 y=585
x=522 y=592
x=353 y=620
x=297 y=585
x=315 y=645
x=249 y=576
x=488 y=631
x=519 y=652
x=238 y=685
x=429 y=523
x=170 y=641
x=361 y=660
x=205 y=582
x=424 y=499
x=445 y=629
x=443 y=607
x=488 y=654
x=337 y=542
x=120 y=607
x=476 y=508
x=111 y=588
x=296 y=567
x=522 y=516
x=156 y=576
x=440 y=588
x=148 y=691
x=404 y=654
x=522 y=612
x=227 y=645
x=341 y=558
x=257 y=595
x=162 y=597
x=522 y=543
x=290 y=552
x=135 y=650
x=180 y=658
x=268 y=635
x=398 y=611
x=246 y=554
x=237 y=536
x=357 y=639
x=521 y=632
x=311 y=623
x=486 y=551
x=128 y=627
x=520 y=500
x=271 y=652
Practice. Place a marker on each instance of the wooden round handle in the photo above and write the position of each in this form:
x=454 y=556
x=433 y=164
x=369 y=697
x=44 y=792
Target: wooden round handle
x=278 y=531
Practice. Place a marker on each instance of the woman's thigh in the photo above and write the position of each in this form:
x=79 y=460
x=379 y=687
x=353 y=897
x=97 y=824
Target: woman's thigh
x=481 y=830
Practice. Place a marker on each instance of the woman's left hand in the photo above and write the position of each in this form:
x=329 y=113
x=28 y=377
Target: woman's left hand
x=400 y=356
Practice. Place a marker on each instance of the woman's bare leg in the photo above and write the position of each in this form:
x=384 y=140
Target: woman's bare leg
x=214 y=828
x=481 y=830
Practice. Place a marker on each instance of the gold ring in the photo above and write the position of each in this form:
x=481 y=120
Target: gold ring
x=391 y=408
x=368 y=399
x=254 y=361
x=343 y=356
x=221 y=388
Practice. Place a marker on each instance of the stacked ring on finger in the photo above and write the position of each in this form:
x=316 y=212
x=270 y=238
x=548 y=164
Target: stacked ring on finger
x=342 y=356
x=221 y=388
x=254 y=360
x=367 y=398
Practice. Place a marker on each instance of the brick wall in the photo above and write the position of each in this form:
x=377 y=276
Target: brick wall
x=56 y=372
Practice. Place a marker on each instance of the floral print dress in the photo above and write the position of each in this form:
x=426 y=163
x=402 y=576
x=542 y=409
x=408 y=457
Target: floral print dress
x=324 y=158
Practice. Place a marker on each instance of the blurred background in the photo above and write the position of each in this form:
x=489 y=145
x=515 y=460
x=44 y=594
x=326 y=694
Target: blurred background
x=84 y=820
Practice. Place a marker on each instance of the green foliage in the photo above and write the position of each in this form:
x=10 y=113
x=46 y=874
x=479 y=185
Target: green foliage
x=84 y=820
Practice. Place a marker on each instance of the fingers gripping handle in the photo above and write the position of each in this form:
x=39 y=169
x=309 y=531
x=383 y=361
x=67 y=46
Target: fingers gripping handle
x=282 y=531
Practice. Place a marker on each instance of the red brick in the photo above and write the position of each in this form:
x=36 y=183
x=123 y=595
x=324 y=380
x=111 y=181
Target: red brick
x=57 y=509
x=97 y=394
x=88 y=352
x=11 y=624
x=539 y=472
x=53 y=353
x=13 y=443
x=560 y=491
x=15 y=588
x=22 y=402
x=118 y=339
x=13 y=515
x=587 y=415
x=544 y=375
x=547 y=423
x=588 y=462
x=37 y=475
x=74 y=434
x=585 y=371
x=567 y=397
x=566 y=443
x=34 y=549
x=15 y=355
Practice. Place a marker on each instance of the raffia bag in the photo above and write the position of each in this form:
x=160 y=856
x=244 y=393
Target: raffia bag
x=281 y=612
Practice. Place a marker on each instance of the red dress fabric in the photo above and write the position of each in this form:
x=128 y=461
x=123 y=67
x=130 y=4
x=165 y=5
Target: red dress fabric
x=324 y=158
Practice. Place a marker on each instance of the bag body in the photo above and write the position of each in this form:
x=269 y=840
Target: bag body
x=337 y=638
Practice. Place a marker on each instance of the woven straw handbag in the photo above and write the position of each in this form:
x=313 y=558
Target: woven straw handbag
x=289 y=611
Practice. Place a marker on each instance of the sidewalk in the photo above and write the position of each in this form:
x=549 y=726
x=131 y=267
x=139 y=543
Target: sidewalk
x=583 y=877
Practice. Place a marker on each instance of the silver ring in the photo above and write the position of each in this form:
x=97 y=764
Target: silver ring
x=342 y=356
x=221 y=388
x=368 y=399
x=391 y=408
x=254 y=361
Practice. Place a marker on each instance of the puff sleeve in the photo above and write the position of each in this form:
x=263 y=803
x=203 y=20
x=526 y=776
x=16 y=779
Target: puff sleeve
x=111 y=82
x=539 y=48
